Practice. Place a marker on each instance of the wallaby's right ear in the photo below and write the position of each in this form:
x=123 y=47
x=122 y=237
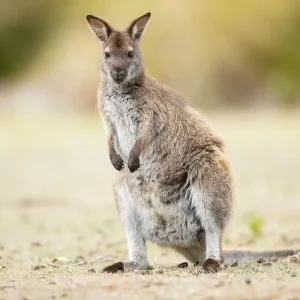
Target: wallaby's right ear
x=101 y=28
x=137 y=26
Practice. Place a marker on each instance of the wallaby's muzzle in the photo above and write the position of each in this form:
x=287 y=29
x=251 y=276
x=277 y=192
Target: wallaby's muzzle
x=118 y=75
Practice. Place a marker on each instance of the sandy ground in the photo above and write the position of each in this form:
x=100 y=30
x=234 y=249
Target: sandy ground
x=56 y=201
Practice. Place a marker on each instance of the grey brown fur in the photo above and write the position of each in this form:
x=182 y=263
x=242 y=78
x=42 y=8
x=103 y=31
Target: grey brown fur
x=174 y=186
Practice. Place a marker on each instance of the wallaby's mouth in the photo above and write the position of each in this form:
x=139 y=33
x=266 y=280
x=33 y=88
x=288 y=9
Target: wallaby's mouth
x=118 y=80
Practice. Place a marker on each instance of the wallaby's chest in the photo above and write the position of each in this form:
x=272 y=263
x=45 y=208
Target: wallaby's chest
x=124 y=114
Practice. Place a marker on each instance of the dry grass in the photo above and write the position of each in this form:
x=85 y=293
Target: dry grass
x=56 y=200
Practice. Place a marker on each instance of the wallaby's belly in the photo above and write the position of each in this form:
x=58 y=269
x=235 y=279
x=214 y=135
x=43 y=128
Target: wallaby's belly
x=169 y=224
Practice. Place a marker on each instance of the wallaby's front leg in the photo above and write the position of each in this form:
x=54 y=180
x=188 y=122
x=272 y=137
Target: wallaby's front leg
x=115 y=158
x=136 y=244
x=134 y=156
x=144 y=138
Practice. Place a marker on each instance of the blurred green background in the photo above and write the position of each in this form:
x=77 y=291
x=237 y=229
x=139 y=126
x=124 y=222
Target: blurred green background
x=218 y=53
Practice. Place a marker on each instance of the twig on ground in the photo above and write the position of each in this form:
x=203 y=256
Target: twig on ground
x=53 y=265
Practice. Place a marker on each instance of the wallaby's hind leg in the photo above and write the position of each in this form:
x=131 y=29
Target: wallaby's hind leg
x=212 y=199
x=136 y=244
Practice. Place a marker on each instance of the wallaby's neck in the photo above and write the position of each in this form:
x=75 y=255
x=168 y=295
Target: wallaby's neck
x=109 y=87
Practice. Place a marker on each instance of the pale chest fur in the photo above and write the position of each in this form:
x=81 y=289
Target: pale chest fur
x=123 y=114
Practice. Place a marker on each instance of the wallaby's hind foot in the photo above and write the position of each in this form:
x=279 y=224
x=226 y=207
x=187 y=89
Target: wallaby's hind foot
x=124 y=267
x=212 y=266
x=114 y=268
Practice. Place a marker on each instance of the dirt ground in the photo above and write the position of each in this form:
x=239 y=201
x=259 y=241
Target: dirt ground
x=59 y=225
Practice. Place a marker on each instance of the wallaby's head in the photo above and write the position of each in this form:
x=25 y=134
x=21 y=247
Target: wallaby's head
x=121 y=59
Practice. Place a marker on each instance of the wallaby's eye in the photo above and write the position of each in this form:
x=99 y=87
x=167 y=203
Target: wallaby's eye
x=107 y=55
x=130 y=54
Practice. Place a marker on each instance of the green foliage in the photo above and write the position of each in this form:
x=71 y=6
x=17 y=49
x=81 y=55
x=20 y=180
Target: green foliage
x=233 y=51
x=255 y=223
x=24 y=34
x=19 y=44
x=285 y=71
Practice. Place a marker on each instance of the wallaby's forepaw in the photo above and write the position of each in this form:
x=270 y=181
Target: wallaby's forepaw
x=133 y=162
x=124 y=267
x=212 y=266
x=117 y=162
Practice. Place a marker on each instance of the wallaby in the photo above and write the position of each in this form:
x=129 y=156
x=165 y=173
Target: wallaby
x=174 y=186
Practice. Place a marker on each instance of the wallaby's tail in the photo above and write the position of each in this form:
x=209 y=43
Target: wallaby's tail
x=231 y=256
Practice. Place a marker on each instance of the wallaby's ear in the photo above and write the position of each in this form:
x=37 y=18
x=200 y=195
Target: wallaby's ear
x=137 y=26
x=101 y=28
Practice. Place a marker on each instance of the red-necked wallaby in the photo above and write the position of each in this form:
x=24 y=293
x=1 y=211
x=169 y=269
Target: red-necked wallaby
x=174 y=184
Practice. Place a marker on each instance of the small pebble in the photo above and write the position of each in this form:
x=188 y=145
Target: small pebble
x=235 y=264
x=294 y=259
x=92 y=270
x=38 y=267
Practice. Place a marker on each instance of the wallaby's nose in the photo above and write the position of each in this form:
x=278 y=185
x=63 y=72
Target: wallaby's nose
x=118 y=74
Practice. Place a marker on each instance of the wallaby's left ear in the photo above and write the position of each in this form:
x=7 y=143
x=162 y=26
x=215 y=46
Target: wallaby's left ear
x=101 y=28
x=137 y=26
